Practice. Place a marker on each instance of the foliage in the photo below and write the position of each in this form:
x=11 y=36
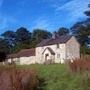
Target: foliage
x=63 y=31
x=82 y=30
x=23 y=35
x=2 y=56
x=24 y=39
x=88 y=11
x=9 y=36
x=60 y=77
x=4 y=47
x=38 y=35
x=85 y=50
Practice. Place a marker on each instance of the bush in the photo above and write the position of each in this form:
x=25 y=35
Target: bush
x=85 y=50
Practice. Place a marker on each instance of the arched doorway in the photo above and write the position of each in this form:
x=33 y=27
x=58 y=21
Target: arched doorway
x=46 y=57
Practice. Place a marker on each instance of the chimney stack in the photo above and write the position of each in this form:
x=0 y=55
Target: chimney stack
x=55 y=35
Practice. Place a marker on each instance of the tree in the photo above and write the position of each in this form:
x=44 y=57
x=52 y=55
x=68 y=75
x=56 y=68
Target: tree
x=87 y=12
x=63 y=31
x=38 y=35
x=10 y=37
x=82 y=30
x=2 y=56
x=23 y=35
x=4 y=49
x=23 y=38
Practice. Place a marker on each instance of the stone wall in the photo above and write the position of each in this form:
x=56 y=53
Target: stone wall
x=72 y=49
x=58 y=51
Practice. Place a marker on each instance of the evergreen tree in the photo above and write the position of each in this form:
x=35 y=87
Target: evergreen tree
x=87 y=12
x=63 y=31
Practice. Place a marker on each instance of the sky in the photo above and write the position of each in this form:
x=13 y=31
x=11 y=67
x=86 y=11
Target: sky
x=44 y=14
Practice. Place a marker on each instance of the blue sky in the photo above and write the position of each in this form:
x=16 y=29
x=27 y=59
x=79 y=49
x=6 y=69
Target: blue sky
x=44 y=14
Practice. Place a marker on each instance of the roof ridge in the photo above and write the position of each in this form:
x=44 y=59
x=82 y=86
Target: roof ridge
x=51 y=41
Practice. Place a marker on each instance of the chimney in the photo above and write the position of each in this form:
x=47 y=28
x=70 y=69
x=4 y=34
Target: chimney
x=55 y=35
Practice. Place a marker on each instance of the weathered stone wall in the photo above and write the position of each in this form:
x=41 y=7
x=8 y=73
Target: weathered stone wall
x=27 y=60
x=58 y=51
x=23 y=60
x=72 y=49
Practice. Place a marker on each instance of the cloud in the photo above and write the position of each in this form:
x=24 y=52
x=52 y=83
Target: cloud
x=42 y=23
x=72 y=11
x=68 y=11
x=56 y=3
x=74 y=4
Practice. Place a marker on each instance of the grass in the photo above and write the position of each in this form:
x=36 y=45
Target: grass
x=60 y=77
x=72 y=76
x=13 y=78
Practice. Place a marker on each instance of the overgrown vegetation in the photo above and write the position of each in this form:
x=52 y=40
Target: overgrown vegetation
x=80 y=65
x=72 y=76
x=12 y=78
x=63 y=77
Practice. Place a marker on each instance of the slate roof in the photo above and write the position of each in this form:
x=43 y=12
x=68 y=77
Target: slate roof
x=23 y=53
x=51 y=41
x=27 y=52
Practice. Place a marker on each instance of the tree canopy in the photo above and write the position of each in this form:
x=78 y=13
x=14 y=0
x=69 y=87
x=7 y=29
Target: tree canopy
x=87 y=12
x=63 y=31
x=82 y=29
x=38 y=35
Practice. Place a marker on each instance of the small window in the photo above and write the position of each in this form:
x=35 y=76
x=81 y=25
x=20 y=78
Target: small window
x=58 y=55
x=57 y=45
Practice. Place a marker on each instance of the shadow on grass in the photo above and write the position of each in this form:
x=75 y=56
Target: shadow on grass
x=42 y=84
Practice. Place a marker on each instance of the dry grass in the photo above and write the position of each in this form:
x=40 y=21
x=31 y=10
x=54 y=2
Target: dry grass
x=80 y=65
x=12 y=78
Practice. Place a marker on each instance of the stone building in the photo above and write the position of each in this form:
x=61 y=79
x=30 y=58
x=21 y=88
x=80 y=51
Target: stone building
x=58 y=49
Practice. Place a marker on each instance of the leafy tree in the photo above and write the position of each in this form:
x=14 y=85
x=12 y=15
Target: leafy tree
x=87 y=12
x=10 y=37
x=23 y=35
x=2 y=56
x=4 y=47
x=23 y=38
x=38 y=35
x=63 y=31
x=82 y=30
x=85 y=50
